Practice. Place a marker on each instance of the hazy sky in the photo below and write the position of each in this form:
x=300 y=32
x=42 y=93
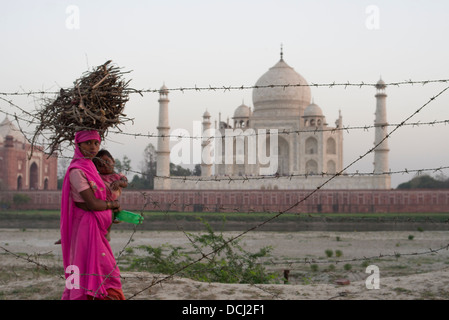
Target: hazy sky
x=48 y=44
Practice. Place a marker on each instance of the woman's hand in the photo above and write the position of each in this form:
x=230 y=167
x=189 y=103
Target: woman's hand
x=113 y=205
x=94 y=204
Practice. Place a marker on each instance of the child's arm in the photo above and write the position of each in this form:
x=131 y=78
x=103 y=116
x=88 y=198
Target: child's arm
x=122 y=183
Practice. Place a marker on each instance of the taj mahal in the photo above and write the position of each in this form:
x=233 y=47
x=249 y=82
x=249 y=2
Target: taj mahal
x=283 y=143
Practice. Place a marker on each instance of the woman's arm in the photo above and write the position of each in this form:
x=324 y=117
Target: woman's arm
x=94 y=204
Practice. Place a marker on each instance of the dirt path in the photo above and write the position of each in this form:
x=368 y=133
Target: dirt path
x=412 y=265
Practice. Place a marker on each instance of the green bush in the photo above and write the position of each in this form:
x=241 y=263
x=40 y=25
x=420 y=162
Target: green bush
x=19 y=199
x=221 y=260
x=365 y=263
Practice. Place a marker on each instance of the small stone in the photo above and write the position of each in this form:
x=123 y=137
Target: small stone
x=342 y=282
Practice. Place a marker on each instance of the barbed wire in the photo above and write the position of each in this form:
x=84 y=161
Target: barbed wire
x=275 y=294
x=379 y=256
x=247 y=87
x=245 y=178
x=247 y=132
x=257 y=226
x=320 y=186
x=337 y=174
x=237 y=133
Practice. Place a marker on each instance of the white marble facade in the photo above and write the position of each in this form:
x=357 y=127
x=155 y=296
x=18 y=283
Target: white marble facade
x=308 y=150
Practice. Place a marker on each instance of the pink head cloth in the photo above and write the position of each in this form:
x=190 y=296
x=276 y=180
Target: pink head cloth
x=83 y=240
x=87 y=135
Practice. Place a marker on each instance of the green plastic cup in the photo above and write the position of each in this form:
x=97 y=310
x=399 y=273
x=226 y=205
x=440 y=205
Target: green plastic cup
x=129 y=217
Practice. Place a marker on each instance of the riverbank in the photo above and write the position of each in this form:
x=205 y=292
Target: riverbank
x=412 y=265
x=170 y=221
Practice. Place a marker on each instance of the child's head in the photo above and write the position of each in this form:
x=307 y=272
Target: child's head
x=104 y=162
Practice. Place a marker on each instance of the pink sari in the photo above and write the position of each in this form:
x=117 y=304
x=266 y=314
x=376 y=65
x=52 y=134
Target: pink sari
x=85 y=250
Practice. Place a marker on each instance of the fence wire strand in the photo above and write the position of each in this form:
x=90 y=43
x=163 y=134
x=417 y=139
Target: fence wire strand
x=329 y=176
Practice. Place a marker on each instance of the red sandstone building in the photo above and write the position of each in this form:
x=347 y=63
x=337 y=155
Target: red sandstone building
x=17 y=170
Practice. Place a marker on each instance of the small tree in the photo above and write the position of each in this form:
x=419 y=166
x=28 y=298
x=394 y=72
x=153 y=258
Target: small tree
x=20 y=199
x=123 y=166
x=197 y=170
x=148 y=170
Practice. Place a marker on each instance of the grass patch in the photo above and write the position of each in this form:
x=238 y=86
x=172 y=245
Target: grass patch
x=245 y=216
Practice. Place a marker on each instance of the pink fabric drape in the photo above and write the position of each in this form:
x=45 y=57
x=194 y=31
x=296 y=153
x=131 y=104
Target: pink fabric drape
x=84 y=245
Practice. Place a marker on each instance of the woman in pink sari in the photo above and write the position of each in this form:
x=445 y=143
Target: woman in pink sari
x=90 y=266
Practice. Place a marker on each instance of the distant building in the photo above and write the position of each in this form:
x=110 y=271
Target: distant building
x=17 y=170
x=307 y=149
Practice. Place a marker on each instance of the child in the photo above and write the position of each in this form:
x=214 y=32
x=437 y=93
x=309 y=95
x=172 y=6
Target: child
x=113 y=181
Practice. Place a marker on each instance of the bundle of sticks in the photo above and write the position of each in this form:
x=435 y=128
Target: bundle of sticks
x=95 y=102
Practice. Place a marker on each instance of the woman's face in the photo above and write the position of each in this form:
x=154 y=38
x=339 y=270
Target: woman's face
x=89 y=148
x=105 y=165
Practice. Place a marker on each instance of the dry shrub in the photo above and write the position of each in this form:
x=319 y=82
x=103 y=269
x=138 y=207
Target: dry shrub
x=96 y=101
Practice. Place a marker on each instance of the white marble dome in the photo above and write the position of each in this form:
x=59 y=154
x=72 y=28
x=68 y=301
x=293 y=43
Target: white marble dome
x=242 y=111
x=313 y=110
x=290 y=97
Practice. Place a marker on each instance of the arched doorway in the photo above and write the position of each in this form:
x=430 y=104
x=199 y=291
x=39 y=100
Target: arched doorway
x=19 y=183
x=34 y=176
x=311 y=145
x=311 y=167
x=283 y=157
x=331 y=146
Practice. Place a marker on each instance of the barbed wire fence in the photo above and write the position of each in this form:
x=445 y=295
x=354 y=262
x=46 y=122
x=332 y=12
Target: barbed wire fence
x=276 y=214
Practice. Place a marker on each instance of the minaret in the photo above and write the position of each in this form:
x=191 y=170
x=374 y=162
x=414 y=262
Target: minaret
x=206 y=164
x=162 y=182
x=339 y=125
x=381 y=125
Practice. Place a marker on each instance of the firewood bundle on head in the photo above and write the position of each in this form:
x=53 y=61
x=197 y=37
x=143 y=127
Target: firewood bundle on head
x=95 y=102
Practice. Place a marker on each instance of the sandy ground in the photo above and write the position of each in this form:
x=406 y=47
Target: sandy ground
x=412 y=265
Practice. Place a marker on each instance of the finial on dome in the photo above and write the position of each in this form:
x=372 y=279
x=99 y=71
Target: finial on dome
x=380 y=85
x=282 y=53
